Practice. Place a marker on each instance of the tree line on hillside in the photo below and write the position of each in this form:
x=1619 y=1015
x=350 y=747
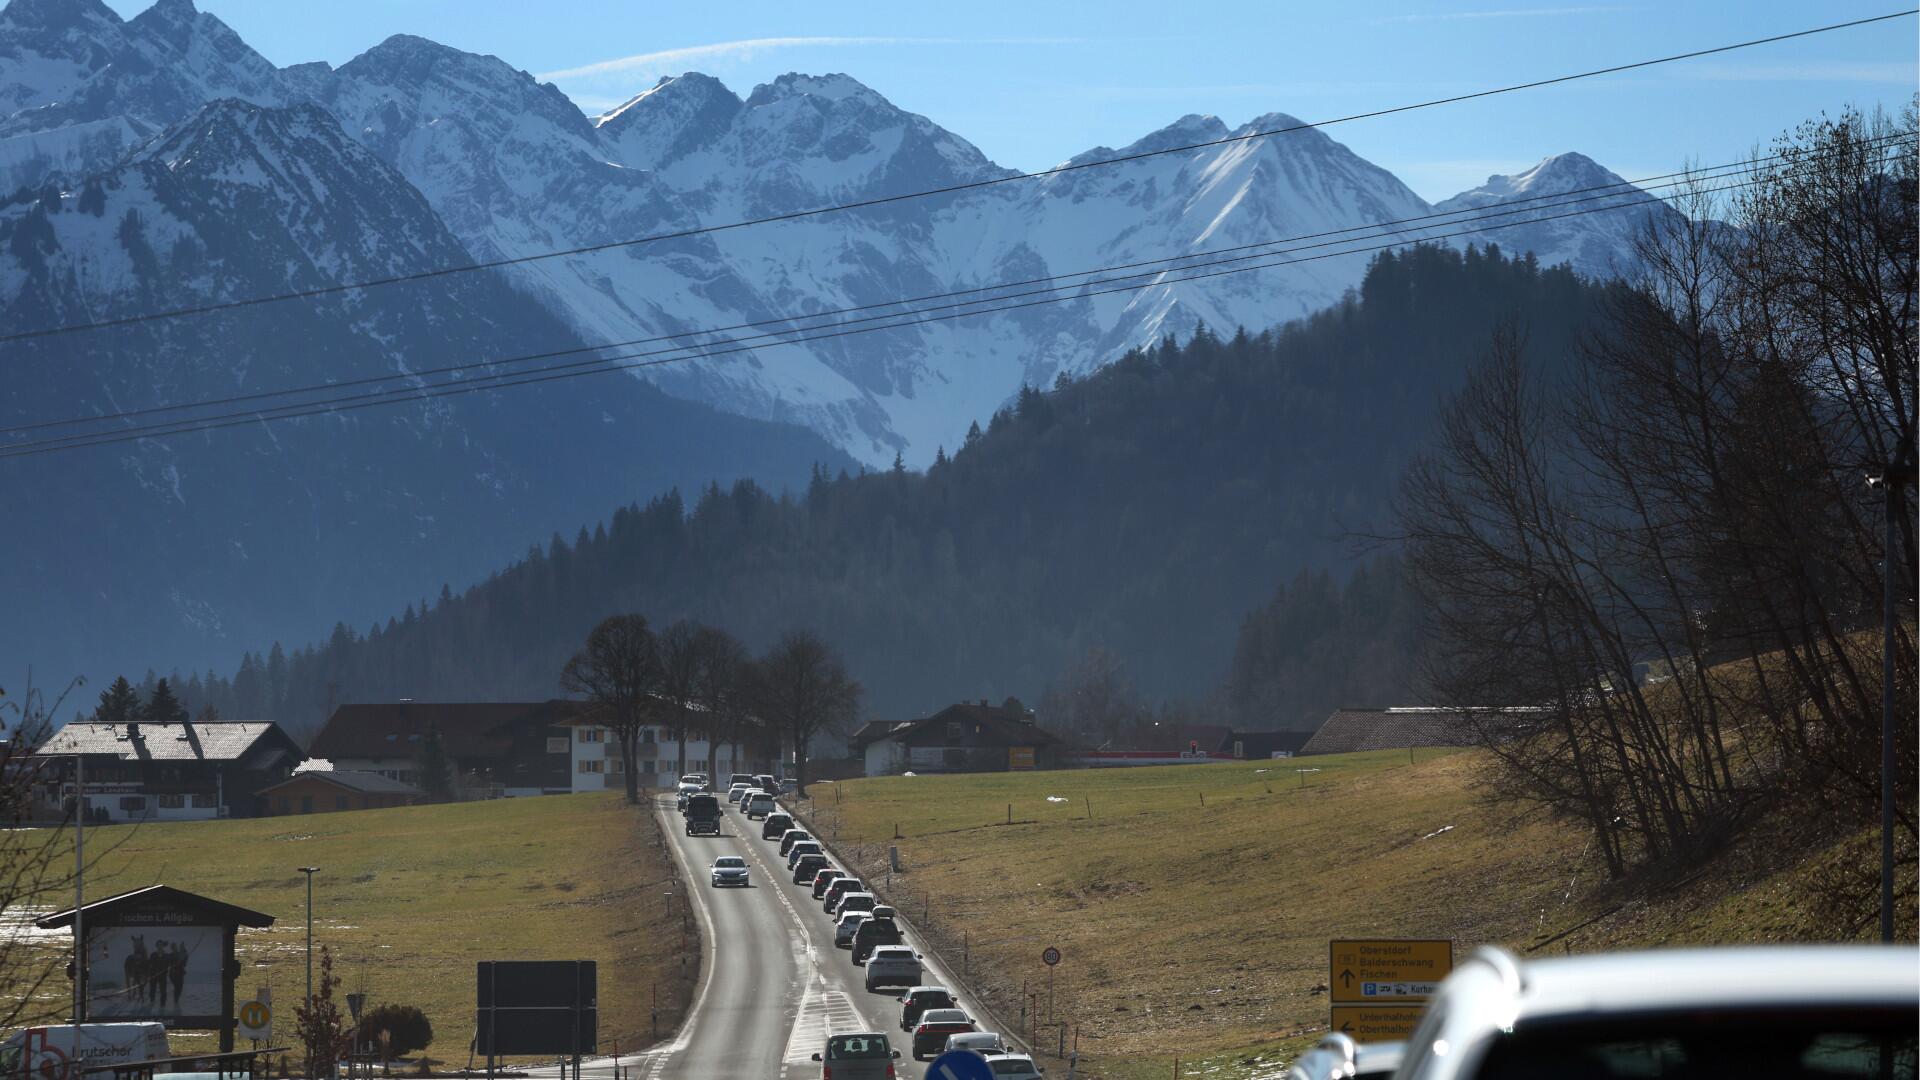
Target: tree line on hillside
x=1683 y=496
x=1141 y=510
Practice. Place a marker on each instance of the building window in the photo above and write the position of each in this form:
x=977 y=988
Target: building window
x=646 y=735
x=955 y=731
x=284 y=805
x=593 y=766
x=619 y=765
x=133 y=802
x=340 y=802
x=306 y=804
x=173 y=802
x=592 y=734
x=204 y=802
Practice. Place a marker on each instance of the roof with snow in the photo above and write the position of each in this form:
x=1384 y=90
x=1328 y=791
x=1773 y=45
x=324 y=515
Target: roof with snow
x=1352 y=730
x=194 y=741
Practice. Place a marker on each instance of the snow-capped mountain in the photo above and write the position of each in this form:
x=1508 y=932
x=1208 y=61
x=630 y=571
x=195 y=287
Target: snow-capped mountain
x=512 y=168
x=1597 y=243
x=183 y=550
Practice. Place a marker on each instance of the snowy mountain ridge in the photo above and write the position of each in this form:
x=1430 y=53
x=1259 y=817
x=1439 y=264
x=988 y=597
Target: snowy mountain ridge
x=514 y=168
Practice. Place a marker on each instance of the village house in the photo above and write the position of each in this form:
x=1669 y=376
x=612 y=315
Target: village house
x=140 y=771
x=509 y=748
x=322 y=791
x=959 y=738
x=1352 y=730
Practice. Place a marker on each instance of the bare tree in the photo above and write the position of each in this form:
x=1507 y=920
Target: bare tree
x=35 y=864
x=1689 y=495
x=1097 y=701
x=619 y=673
x=685 y=651
x=804 y=690
x=724 y=688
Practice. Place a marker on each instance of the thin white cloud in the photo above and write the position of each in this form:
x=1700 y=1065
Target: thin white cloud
x=748 y=48
x=1505 y=13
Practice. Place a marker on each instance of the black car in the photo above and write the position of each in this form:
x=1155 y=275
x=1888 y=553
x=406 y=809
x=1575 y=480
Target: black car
x=804 y=870
x=775 y=825
x=792 y=837
x=872 y=934
x=703 y=815
x=921 y=998
x=825 y=877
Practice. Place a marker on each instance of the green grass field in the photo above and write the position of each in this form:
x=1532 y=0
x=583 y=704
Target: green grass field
x=408 y=899
x=1203 y=929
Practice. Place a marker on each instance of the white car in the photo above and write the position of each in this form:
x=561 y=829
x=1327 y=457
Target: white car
x=848 y=925
x=729 y=870
x=980 y=1042
x=893 y=965
x=1785 y=1011
x=1011 y=1066
x=735 y=792
x=757 y=804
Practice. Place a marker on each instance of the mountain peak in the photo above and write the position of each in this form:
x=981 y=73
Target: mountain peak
x=1189 y=129
x=835 y=87
x=1553 y=175
x=689 y=92
x=57 y=14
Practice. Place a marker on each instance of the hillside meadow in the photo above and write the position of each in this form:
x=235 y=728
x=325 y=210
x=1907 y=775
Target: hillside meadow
x=408 y=899
x=1193 y=904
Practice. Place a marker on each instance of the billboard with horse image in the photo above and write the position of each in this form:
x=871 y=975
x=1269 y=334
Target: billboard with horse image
x=155 y=972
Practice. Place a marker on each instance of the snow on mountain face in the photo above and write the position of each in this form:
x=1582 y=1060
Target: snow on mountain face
x=1595 y=244
x=513 y=168
x=79 y=87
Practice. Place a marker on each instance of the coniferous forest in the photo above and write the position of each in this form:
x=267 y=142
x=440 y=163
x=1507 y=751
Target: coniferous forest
x=1194 y=509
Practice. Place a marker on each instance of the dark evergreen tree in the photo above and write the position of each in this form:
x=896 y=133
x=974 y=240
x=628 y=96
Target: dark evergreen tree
x=162 y=706
x=436 y=774
x=119 y=703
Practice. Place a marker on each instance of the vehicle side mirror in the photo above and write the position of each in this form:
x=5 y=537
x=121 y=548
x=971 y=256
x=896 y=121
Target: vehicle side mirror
x=816 y=1057
x=896 y=1053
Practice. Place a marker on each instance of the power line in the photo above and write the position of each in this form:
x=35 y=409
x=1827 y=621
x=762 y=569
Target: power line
x=1617 y=189
x=798 y=215
x=508 y=380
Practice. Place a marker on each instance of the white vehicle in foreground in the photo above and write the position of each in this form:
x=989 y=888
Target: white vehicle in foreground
x=893 y=965
x=1819 y=1012
x=1012 y=1066
x=980 y=1042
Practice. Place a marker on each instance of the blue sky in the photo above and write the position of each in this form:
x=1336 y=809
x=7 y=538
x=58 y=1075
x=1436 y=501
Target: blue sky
x=1033 y=83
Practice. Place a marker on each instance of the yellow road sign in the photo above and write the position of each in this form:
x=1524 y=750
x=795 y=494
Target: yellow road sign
x=256 y=1020
x=1377 y=1023
x=1385 y=970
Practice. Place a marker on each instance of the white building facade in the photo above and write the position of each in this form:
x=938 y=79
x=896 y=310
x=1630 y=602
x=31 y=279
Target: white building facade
x=597 y=766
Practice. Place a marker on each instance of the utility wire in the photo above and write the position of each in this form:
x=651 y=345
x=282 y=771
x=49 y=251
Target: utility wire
x=1640 y=187
x=798 y=215
x=643 y=360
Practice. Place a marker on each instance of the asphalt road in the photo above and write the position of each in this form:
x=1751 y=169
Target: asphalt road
x=776 y=985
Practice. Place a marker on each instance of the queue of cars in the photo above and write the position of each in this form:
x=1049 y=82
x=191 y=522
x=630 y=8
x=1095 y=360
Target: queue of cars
x=870 y=932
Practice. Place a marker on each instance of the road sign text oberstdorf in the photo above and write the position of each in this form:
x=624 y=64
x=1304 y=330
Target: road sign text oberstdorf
x=1382 y=971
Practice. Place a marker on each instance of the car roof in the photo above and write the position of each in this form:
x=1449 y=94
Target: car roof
x=919 y=989
x=941 y=1016
x=1008 y=1056
x=1658 y=980
x=893 y=950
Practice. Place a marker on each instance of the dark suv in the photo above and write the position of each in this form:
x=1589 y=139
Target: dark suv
x=872 y=934
x=776 y=824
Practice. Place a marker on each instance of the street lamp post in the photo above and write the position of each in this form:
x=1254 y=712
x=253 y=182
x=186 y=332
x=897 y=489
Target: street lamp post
x=309 y=871
x=1891 y=480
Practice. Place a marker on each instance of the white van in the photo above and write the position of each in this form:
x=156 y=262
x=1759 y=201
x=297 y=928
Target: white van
x=60 y=1051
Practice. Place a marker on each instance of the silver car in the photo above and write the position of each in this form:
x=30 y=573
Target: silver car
x=1338 y=1057
x=1793 y=1011
x=729 y=870
x=857 y=1055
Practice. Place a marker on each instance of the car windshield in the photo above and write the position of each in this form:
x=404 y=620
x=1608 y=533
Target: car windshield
x=855 y=1047
x=1862 y=1044
x=1016 y=1066
x=730 y=862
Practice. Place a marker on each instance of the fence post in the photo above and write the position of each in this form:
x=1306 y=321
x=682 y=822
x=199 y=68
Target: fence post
x=1089 y=799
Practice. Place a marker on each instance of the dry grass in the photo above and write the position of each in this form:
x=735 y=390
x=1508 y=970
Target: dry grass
x=408 y=899
x=1204 y=928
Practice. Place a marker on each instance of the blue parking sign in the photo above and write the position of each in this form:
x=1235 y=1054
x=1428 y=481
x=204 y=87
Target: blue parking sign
x=959 y=1065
